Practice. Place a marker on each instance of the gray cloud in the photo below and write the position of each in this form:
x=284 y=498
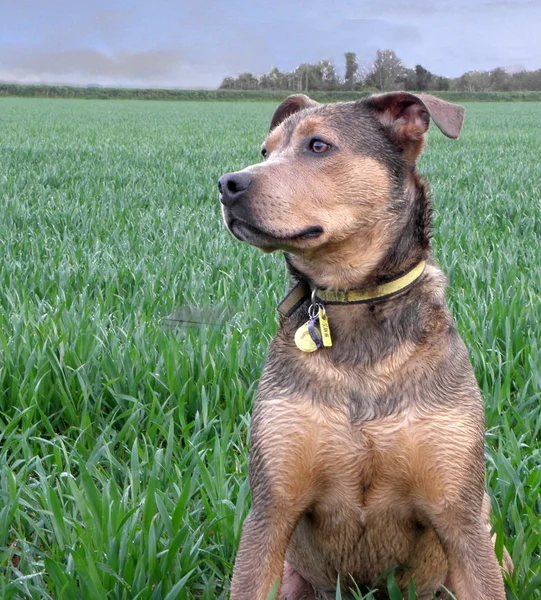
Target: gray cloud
x=69 y=66
x=196 y=44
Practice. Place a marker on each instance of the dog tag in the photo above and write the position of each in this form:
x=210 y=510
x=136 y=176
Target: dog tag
x=303 y=339
x=324 y=326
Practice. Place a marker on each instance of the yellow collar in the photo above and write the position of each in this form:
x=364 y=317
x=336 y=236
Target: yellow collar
x=302 y=291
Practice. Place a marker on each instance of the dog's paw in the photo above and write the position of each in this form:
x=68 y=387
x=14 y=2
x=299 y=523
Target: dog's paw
x=294 y=586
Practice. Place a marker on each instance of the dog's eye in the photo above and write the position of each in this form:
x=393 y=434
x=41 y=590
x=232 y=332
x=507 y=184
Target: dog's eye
x=264 y=152
x=318 y=146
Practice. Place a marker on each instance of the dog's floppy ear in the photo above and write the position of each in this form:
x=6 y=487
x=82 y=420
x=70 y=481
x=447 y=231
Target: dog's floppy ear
x=409 y=114
x=289 y=106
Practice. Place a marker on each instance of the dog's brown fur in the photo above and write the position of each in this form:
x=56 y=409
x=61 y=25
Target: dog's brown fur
x=368 y=454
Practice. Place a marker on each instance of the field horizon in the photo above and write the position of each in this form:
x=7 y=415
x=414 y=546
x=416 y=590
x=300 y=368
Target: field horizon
x=21 y=90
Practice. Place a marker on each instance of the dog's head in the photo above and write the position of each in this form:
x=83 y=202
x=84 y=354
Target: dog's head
x=337 y=181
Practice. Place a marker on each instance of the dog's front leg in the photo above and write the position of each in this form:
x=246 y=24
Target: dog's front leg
x=281 y=479
x=458 y=517
x=450 y=474
x=473 y=570
x=261 y=555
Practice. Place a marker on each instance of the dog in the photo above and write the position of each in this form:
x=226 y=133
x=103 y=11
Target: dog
x=367 y=432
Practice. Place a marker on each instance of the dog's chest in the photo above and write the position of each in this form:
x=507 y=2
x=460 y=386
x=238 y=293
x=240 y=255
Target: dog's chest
x=357 y=478
x=351 y=461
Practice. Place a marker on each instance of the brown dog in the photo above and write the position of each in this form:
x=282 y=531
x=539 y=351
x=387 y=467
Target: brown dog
x=367 y=454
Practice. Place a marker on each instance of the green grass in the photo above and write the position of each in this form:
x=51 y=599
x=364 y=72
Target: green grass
x=123 y=441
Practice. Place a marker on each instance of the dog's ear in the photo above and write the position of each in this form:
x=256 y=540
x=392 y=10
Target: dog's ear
x=408 y=115
x=289 y=106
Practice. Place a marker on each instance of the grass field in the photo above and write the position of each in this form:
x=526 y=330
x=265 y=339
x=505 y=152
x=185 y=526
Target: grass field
x=123 y=438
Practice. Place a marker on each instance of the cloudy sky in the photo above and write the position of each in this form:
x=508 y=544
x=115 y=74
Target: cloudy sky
x=195 y=43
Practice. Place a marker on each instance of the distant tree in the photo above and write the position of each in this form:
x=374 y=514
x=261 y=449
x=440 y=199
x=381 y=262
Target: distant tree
x=499 y=80
x=441 y=83
x=326 y=73
x=302 y=76
x=388 y=71
x=352 y=68
x=410 y=80
x=308 y=77
x=364 y=72
x=473 y=81
x=419 y=79
x=278 y=79
x=423 y=78
x=228 y=83
x=265 y=83
x=247 y=81
x=532 y=80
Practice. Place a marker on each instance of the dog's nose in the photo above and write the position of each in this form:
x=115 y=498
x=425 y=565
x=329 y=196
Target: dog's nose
x=232 y=186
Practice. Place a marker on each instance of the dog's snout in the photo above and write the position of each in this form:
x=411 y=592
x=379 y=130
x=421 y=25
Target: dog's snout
x=232 y=186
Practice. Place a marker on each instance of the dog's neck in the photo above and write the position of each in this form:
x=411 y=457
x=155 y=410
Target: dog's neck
x=412 y=241
x=365 y=333
x=369 y=264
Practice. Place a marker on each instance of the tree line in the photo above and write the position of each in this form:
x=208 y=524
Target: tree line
x=386 y=72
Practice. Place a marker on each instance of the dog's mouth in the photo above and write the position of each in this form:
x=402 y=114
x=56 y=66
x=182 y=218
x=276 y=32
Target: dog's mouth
x=257 y=236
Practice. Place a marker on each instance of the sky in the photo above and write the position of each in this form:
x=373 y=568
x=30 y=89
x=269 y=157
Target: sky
x=196 y=43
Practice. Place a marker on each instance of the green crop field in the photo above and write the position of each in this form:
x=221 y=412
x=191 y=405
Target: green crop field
x=123 y=433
